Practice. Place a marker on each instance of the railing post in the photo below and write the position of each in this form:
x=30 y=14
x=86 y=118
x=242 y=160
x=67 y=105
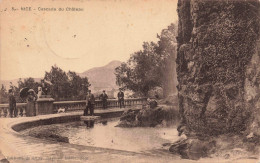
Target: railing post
x=22 y=111
x=6 y=112
x=44 y=105
x=1 y=112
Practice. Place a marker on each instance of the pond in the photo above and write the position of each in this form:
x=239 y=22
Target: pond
x=103 y=133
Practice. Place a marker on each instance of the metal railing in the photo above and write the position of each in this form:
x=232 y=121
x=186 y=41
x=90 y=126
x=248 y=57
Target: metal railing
x=72 y=105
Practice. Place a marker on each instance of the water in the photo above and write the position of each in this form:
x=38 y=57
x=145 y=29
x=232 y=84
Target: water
x=105 y=134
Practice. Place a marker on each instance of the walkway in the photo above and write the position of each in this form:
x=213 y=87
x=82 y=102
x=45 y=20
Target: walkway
x=20 y=148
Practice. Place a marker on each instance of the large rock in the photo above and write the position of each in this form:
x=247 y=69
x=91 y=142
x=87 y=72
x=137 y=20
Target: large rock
x=149 y=117
x=193 y=148
x=218 y=65
x=226 y=146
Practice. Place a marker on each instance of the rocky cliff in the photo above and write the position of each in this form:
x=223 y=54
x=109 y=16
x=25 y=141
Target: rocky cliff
x=218 y=66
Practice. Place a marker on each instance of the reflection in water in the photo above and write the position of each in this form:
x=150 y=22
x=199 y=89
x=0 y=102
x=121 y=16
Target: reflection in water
x=90 y=123
x=105 y=134
x=104 y=122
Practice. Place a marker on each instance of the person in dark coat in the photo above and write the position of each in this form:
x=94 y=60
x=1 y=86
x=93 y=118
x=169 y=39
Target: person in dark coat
x=31 y=102
x=104 y=98
x=12 y=104
x=90 y=104
x=45 y=89
x=120 y=97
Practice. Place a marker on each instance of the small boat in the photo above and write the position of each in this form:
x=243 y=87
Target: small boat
x=85 y=118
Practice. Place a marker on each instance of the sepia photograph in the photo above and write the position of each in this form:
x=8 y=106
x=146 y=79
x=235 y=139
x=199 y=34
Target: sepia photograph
x=130 y=81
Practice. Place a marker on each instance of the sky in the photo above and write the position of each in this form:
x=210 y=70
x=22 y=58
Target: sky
x=106 y=30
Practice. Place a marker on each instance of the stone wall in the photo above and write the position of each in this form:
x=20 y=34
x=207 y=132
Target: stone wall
x=218 y=65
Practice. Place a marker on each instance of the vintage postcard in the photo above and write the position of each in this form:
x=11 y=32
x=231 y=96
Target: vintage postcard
x=129 y=81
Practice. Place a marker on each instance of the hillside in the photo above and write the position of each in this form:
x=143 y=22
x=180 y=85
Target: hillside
x=102 y=77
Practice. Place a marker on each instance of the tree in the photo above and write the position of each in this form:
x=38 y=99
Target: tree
x=140 y=73
x=62 y=85
x=66 y=86
x=28 y=82
x=3 y=95
x=151 y=67
x=60 y=82
x=78 y=85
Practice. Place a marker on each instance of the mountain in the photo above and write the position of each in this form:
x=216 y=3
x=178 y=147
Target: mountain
x=102 y=78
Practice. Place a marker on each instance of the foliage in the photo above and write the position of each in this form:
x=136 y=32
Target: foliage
x=145 y=69
x=61 y=85
x=139 y=74
x=3 y=95
x=66 y=86
x=78 y=85
x=28 y=82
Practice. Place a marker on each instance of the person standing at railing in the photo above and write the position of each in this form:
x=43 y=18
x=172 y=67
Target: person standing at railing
x=120 y=97
x=31 y=99
x=103 y=97
x=45 y=84
x=90 y=103
x=12 y=104
x=39 y=94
